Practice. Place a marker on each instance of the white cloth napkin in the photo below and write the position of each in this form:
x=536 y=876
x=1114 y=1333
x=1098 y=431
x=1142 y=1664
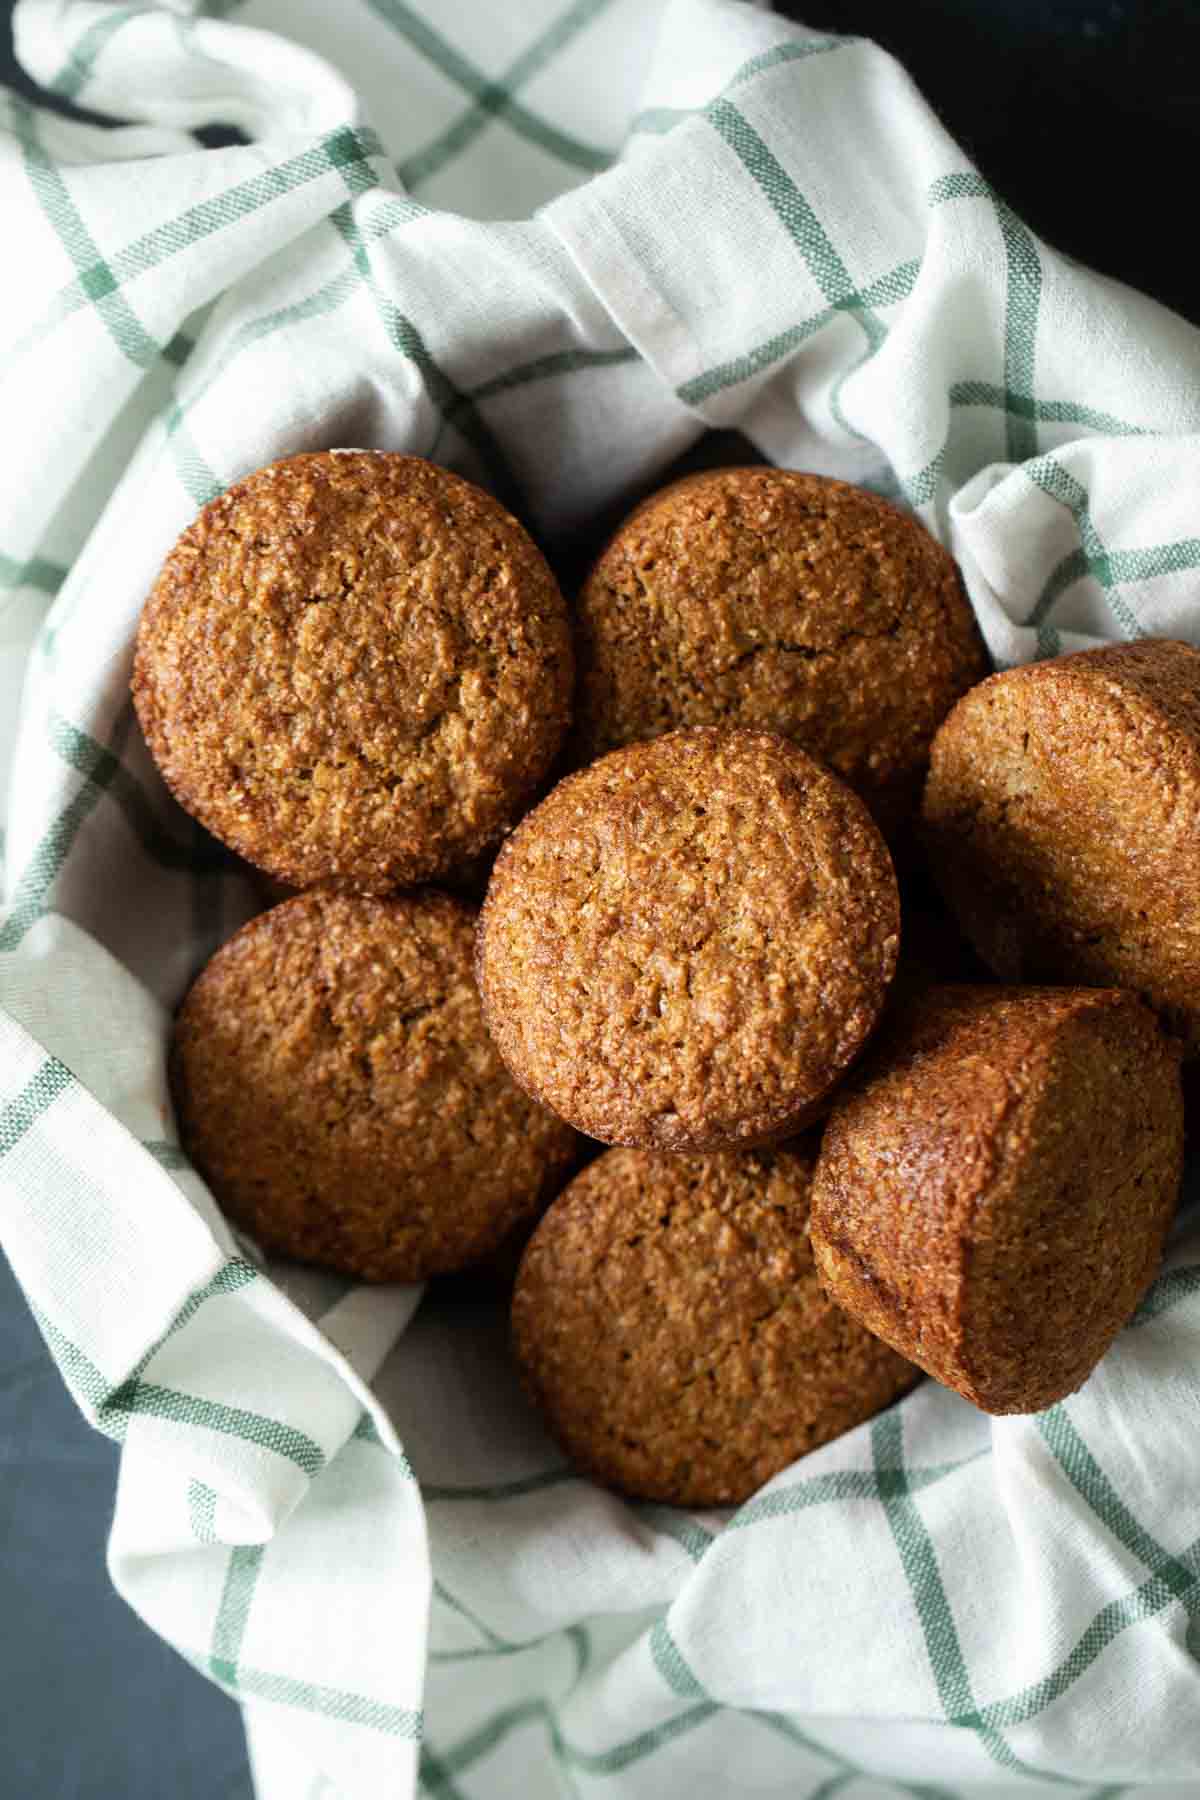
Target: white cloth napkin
x=423 y=247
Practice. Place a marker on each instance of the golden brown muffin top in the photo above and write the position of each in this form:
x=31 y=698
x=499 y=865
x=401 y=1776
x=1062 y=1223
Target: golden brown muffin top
x=1062 y=817
x=994 y=1186
x=686 y=944
x=336 y=1086
x=354 y=666
x=668 y=1321
x=779 y=601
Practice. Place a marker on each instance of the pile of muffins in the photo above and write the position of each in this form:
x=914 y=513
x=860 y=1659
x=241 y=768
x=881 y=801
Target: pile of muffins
x=836 y=1163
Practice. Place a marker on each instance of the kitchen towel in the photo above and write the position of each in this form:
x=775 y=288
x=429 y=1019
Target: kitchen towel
x=549 y=246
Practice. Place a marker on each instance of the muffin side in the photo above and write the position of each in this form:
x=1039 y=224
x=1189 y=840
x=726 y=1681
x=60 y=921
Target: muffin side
x=993 y=1192
x=1062 y=822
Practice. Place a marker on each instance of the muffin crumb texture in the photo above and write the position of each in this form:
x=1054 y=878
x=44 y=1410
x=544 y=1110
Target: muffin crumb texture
x=337 y=1088
x=669 y=1325
x=686 y=944
x=354 y=666
x=779 y=601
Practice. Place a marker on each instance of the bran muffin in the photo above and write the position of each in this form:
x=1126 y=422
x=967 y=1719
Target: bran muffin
x=1062 y=821
x=336 y=1086
x=994 y=1188
x=787 y=602
x=669 y=1325
x=354 y=666
x=686 y=945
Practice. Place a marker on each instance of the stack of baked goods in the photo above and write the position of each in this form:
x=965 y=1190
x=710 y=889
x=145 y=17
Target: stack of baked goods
x=769 y=697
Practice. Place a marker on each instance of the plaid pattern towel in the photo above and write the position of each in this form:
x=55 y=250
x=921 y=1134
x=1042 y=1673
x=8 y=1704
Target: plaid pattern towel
x=475 y=233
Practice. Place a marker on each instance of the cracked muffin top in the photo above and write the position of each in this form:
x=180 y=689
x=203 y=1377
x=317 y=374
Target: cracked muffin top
x=788 y=602
x=669 y=1325
x=354 y=666
x=336 y=1087
x=686 y=944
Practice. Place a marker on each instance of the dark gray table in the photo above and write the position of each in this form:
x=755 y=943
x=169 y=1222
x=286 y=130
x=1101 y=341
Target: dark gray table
x=1075 y=109
x=92 y=1705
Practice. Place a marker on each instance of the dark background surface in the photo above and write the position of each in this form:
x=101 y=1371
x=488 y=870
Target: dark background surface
x=1085 y=114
